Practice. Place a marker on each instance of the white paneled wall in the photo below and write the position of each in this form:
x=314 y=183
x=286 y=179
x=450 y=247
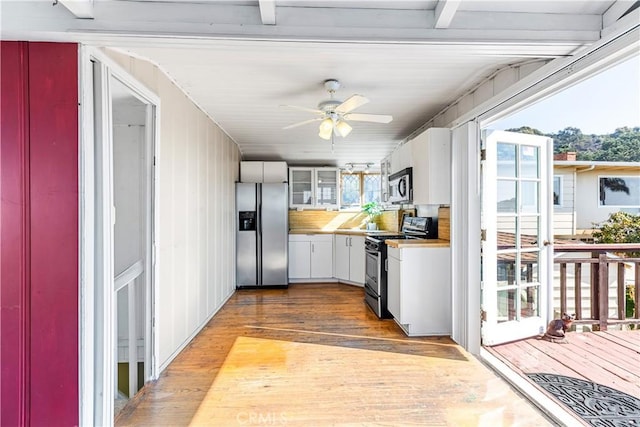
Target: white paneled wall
x=197 y=166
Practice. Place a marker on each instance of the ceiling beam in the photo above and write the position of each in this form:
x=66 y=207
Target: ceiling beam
x=616 y=11
x=445 y=10
x=209 y=21
x=80 y=8
x=268 y=11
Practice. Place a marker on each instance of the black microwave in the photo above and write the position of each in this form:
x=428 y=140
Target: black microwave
x=401 y=186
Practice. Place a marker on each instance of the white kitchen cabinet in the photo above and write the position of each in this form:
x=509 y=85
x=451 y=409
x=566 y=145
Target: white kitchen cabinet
x=266 y=172
x=349 y=258
x=310 y=256
x=401 y=158
x=419 y=289
x=431 y=156
x=314 y=187
x=299 y=259
x=322 y=258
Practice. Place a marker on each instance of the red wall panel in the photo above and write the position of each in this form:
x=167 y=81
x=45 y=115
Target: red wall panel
x=14 y=232
x=53 y=157
x=43 y=185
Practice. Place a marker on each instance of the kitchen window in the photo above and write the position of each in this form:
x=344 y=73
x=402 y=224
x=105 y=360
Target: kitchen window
x=358 y=188
x=622 y=191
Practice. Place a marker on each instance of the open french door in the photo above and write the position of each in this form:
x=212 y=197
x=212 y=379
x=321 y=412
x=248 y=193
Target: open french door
x=517 y=253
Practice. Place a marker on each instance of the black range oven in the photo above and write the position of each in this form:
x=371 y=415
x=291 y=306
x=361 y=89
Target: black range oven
x=376 y=262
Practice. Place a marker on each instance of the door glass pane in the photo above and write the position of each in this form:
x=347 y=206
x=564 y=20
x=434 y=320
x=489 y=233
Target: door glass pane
x=506 y=196
x=327 y=187
x=301 y=193
x=301 y=176
x=301 y=187
x=506 y=232
x=529 y=197
x=506 y=305
x=529 y=267
x=529 y=231
x=529 y=162
x=506 y=154
x=506 y=269
x=530 y=301
x=327 y=177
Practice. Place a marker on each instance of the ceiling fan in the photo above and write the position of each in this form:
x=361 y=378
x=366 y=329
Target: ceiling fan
x=334 y=114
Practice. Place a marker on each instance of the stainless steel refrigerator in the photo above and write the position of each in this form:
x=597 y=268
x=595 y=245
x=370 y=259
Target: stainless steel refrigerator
x=262 y=212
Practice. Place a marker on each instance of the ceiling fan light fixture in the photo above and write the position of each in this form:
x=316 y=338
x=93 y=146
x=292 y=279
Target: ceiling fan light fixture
x=343 y=128
x=325 y=134
x=326 y=125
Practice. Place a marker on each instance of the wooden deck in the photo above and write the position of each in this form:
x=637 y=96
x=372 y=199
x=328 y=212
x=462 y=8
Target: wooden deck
x=610 y=358
x=315 y=355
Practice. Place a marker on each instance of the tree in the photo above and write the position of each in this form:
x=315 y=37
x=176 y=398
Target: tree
x=620 y=227
x=623 y=145
x=572 y=139
x=526 y=129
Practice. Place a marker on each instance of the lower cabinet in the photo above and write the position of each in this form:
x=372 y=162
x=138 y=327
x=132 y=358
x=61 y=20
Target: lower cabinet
x=419 y=289
x=349 y=258
x=310 y=256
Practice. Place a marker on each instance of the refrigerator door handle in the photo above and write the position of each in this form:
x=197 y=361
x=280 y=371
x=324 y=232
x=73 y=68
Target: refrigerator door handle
x=259 y=234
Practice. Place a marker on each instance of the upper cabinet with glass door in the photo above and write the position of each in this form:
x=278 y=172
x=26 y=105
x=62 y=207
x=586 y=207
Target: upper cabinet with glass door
x=327 y=184
x=313 y=187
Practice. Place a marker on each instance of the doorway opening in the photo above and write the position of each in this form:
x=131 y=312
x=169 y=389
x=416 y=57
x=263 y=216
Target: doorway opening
x=117 y=269
x=132 y=239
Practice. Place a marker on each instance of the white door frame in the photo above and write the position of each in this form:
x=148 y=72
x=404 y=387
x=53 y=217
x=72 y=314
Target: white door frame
x=97 y=331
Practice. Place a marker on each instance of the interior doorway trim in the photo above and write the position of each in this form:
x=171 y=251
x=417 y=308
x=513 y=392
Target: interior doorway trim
x=96 y=365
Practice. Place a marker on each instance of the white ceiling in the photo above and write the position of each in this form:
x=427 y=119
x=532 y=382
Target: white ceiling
x=410 y=58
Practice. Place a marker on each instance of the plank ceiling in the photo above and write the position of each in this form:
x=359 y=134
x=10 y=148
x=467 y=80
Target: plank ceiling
x=241 y=60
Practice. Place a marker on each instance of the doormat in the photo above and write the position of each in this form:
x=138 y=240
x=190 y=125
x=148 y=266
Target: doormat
x=596 y=404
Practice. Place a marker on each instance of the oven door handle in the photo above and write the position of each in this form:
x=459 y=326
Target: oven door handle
x=373 y=252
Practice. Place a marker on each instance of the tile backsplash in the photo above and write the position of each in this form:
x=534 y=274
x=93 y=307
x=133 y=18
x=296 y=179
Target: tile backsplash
x=334 y=220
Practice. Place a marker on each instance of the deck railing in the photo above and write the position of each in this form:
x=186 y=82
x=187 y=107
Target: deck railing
x=600 y=260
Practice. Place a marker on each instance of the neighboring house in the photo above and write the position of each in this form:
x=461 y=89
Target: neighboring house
x=586 y=193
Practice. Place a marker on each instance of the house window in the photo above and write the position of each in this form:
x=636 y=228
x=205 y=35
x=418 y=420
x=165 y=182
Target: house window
x=623 y=191
x=358 y=188
x=557 y=190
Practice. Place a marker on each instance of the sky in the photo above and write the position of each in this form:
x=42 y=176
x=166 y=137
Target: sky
x=598 y=105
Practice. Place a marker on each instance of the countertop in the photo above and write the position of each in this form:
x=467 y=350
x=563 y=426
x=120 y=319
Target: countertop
x=352 y=232
x=418 y=243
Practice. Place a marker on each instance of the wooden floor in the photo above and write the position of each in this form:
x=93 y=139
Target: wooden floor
x=610 y=358
x=314 y=355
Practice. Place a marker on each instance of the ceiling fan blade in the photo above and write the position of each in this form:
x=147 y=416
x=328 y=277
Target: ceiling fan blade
x=353 y=102
x=375 y=118
x=310 y=110
x=295 y=125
